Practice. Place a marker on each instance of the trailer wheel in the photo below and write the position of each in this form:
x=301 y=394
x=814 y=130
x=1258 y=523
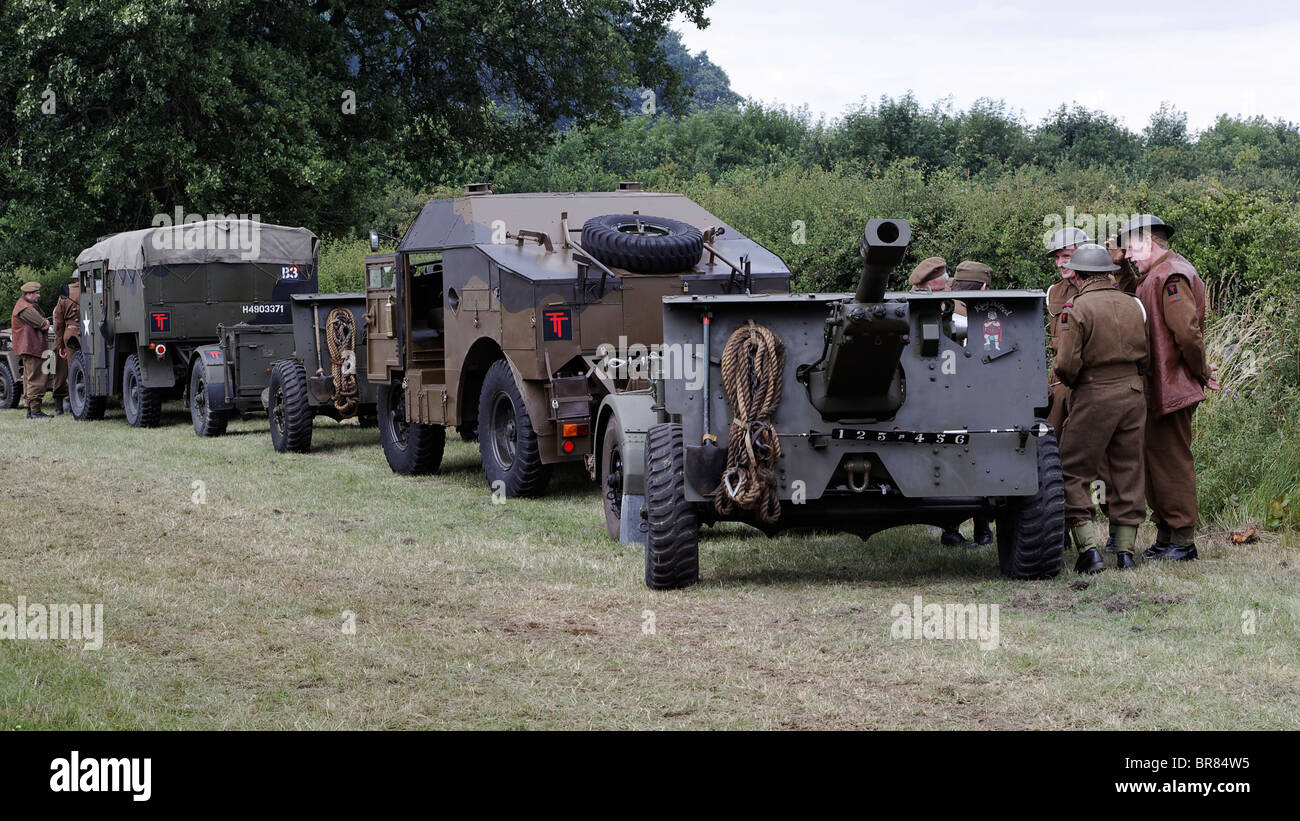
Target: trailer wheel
x=289 y=407
x=207 y=422
x=672 y=551
x=507 y=441
x=143 y=405
x=611 y=476
x=85 y=405
x=8 y=395
x=1031 y=532
x=662 y=246
x=409 y=447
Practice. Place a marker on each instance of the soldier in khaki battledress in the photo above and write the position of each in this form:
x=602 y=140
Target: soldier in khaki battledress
x=1101 y=358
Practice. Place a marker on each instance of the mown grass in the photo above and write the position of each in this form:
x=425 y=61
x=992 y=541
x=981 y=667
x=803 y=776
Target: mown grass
x=229 y=614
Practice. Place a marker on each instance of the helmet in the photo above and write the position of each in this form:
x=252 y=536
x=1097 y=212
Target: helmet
x=1065 y=238
x=1149 y=222
x=1091 y=257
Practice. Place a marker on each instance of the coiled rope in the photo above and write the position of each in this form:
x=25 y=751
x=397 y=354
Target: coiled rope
x=753 y=363
x=340 y=334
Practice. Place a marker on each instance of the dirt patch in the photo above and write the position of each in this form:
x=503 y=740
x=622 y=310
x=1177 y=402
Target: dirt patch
x=1118 y=603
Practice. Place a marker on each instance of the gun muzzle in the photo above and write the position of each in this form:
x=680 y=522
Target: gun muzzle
x=883 y=245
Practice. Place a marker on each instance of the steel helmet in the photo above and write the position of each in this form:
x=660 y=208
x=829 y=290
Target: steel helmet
x=1065 y=238
x=1091 y=257
x=1149 y=222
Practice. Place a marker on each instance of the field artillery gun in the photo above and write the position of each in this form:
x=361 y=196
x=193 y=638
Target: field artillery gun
x=857 y=412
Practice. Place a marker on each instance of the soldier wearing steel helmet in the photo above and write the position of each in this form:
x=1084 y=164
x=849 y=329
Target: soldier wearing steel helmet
x=1102 y=356
x=1060 y=248
x=1173 y=295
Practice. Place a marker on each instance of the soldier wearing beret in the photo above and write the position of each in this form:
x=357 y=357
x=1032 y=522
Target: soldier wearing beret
x=1174 y=297
x=28 y=326
x=1101 y=356
x=931 y=274
x=968 y=276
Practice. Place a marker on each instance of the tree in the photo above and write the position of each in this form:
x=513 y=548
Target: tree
x=302 y=112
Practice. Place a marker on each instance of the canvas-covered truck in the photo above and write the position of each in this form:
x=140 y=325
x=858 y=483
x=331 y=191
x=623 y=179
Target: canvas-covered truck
x=494 y=312
x=295 y=372
x=857 y=412
x=151 y=298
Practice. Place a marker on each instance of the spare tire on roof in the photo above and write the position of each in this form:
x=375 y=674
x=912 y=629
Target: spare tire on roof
x=663 y=246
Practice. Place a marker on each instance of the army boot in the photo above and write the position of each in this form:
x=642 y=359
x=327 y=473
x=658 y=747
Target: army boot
x=953 y=538
x=1161 y=544
x=1121 y=541
x=1181 y=548
x=1110 y=542
x=983 y=533
x=1090 y=560
x=34 y=412
x=58 y=406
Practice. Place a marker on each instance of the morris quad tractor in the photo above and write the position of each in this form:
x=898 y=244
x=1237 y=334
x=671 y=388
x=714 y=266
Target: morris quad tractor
x=856 y=412
x=266 y=367
x=150 y=299
x=499 y=313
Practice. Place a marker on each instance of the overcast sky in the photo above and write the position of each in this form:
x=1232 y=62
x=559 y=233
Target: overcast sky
x=1207 y=58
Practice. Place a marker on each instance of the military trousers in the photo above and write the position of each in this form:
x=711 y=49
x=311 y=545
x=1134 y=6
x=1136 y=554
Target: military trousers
x=34 y=381
x=1105 y=429
x=59 y=385
x=1170 y=469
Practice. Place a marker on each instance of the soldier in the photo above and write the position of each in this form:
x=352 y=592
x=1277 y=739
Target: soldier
x=28 y=326
x=1174 y=297
x=1101 y=357
x=931 y=274
x=67 y=322
x=968 y=276
x=1060 y=248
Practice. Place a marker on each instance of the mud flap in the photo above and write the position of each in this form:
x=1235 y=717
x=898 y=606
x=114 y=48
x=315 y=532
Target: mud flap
x=213 y=361
x=632 y=529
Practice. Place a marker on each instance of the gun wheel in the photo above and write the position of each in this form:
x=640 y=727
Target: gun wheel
x=1031 y=532
x=290 y=408
x=207 y=422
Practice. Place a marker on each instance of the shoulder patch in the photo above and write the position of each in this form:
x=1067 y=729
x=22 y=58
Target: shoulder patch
x=1171 y=288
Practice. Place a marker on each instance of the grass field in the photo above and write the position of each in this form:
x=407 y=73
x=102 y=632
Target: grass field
x=231 y=613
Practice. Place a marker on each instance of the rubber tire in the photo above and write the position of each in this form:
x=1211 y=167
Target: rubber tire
x=612 y=498
x=94 y=406
x=419 y=451
x=289 y=408
x=672 y=551
x=207 y=422
x=148 y=403
x=678 y=250
x=1031 y=532
x=526 y=475
x=8 y=396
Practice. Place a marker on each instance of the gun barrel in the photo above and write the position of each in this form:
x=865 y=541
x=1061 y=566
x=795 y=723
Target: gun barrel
x=884 y=242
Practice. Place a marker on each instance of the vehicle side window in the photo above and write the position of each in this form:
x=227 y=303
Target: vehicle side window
x=380 y=276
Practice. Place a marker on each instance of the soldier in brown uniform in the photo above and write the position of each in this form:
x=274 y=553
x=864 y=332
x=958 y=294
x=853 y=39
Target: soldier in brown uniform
x=1174 y=297
x=67 y=320
x=28 y=326
x=968 y=276
x=1102 y=358
x=1060 y=248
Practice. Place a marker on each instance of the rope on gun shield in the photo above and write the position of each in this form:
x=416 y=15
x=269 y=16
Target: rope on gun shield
x=753 y=363
x=341 y=334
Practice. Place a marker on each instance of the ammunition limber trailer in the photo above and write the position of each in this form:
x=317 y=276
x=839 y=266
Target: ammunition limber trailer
x=295 y=372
